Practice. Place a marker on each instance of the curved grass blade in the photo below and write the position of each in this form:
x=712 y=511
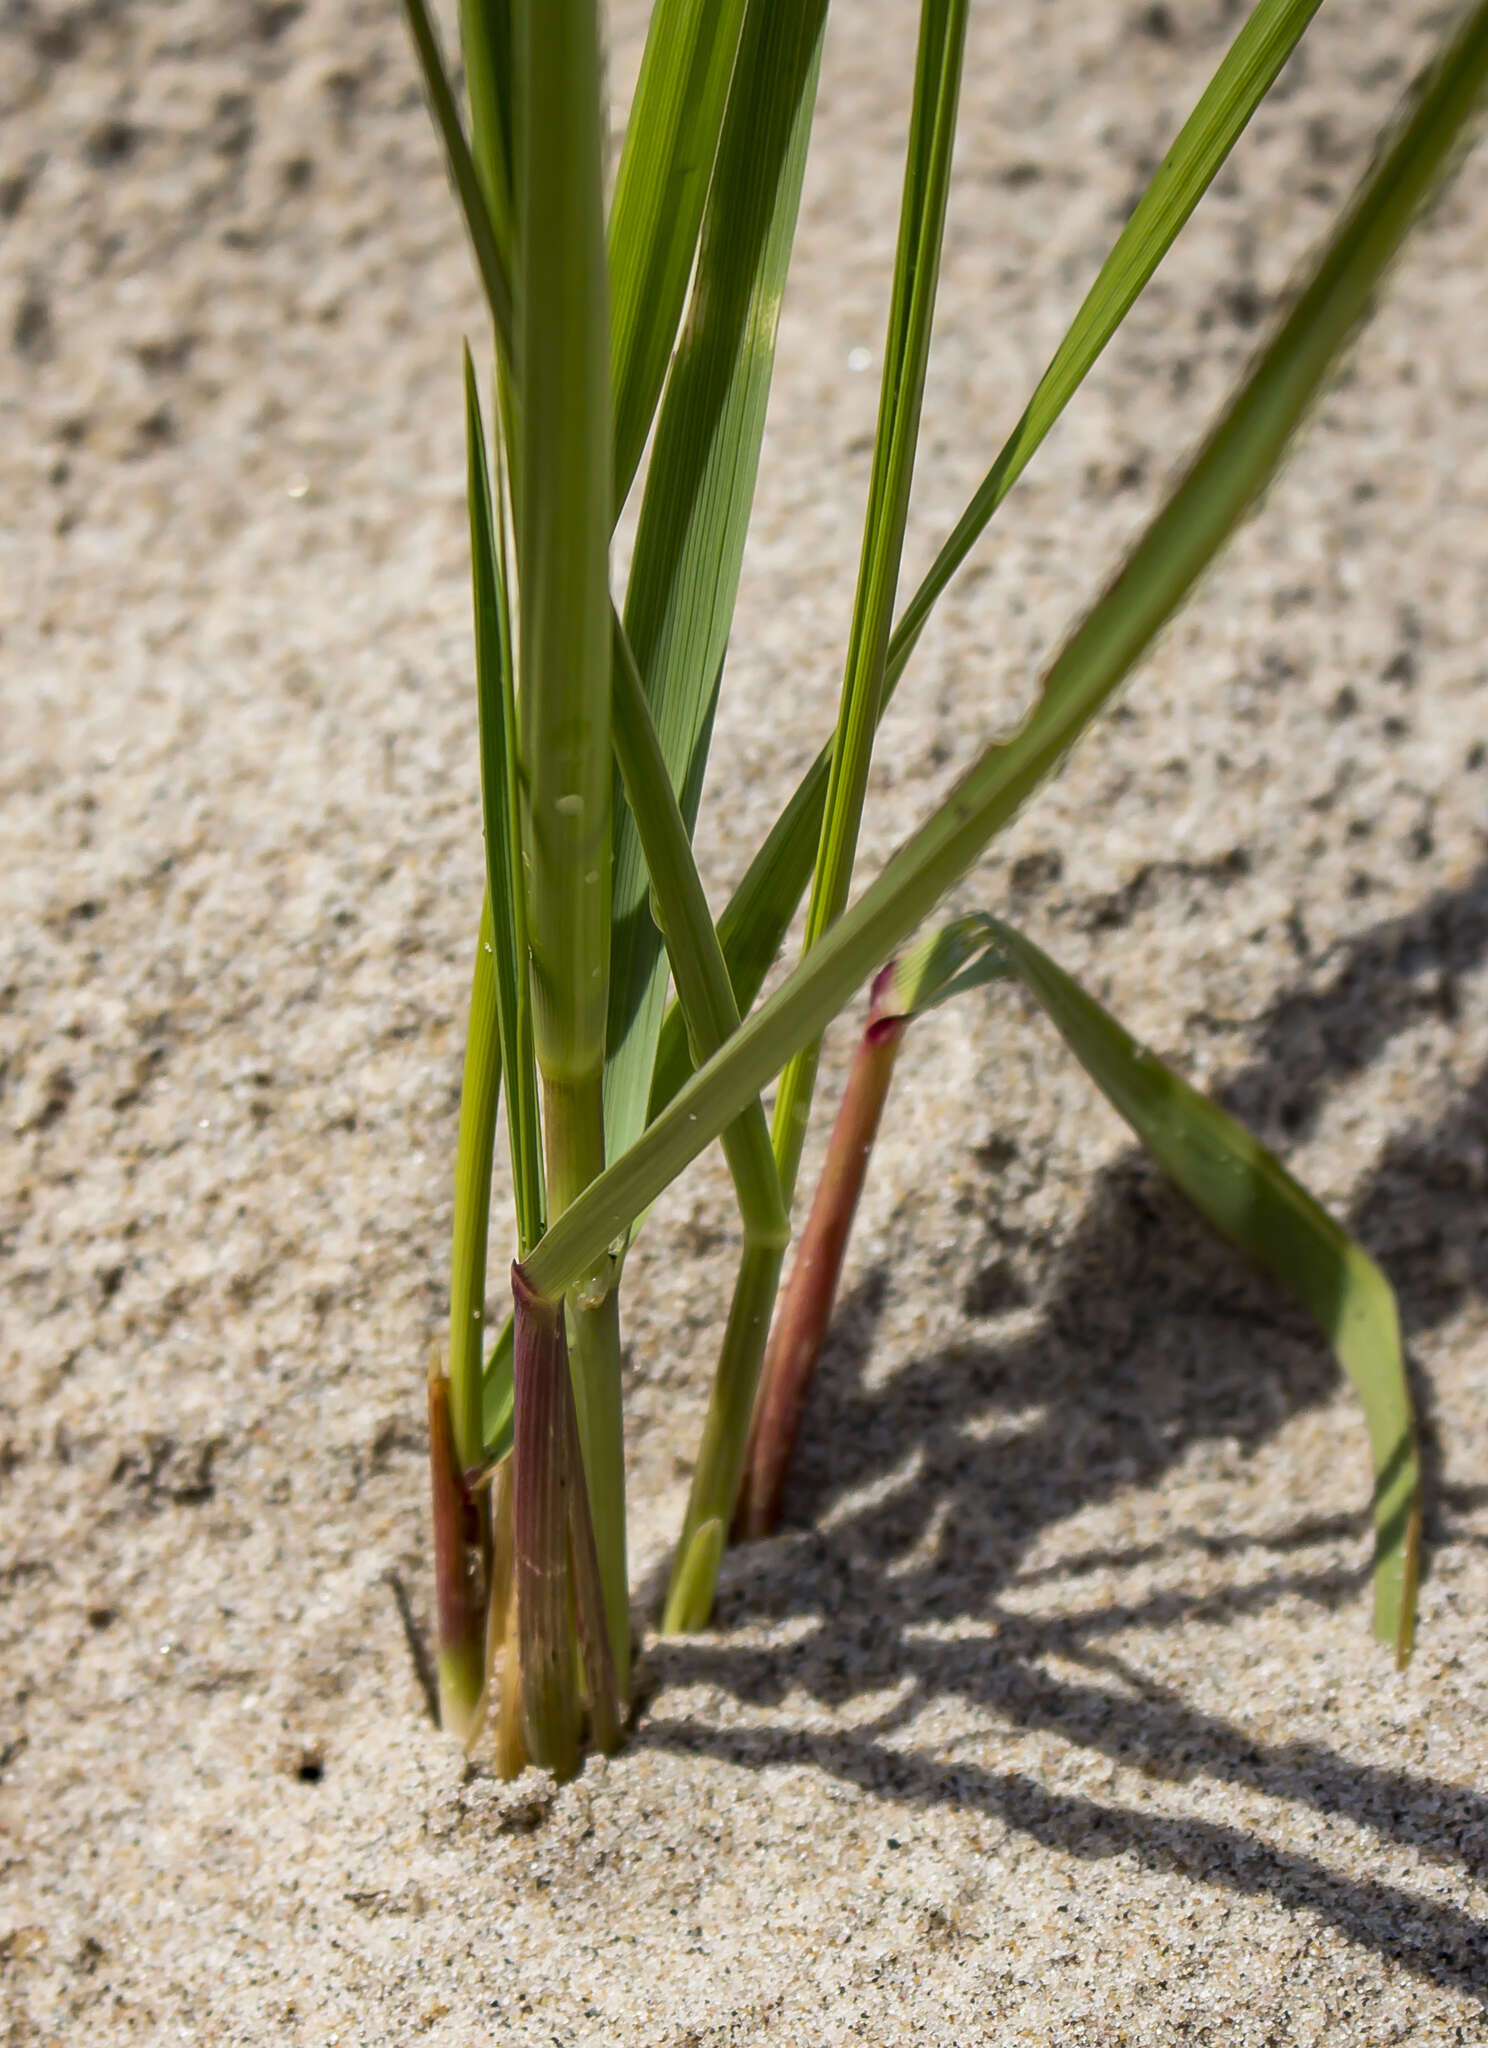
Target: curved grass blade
x=1234 y=465
x=753 y=926
x=486 y=46
x=492 y=250
x=1250 y=1198
x=700 y=485
x=666 y=163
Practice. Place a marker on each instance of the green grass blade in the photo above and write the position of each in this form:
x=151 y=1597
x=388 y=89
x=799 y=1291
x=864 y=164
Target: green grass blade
x=492 y=257
x=666 y=163
x=754 y=924
x=1233 y=466
x=703 y=984
x=700 y=484
x=496 y=1399
x=563 y=531
x=1251 y=1199
x=755 y=919
x=712 y=1016
x=1245 y=75
x=563 y=518
x=480 y=1091
x=505 y=894
x=486 y=45
x=927 y=178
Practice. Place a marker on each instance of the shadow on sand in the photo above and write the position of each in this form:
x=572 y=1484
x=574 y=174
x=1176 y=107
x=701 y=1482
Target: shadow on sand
x=1149 y=1338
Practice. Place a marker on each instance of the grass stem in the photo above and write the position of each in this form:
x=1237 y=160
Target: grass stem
x=806 y=1308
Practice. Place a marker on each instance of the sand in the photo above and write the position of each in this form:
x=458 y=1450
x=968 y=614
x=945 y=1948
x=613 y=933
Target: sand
x=1052 y=1715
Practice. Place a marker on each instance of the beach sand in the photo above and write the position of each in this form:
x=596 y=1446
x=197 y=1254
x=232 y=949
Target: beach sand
x=1052 y=1715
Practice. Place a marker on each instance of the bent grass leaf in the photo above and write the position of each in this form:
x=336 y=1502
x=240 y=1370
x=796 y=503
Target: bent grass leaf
x=1250 y=1198
x=1236 y=1184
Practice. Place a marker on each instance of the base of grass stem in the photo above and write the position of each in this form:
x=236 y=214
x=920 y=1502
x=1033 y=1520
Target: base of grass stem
x=550 y=1693
x=715 y=1480
x=594 y=1359
x=462 y=1558
x=559 y=1592
x=503 y=1656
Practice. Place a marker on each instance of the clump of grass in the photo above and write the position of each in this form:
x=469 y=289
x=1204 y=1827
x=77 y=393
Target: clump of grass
x=655 y=321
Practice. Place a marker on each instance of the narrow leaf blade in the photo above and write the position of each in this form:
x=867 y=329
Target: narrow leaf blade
x=506 y=938
x=700 y=485
x=480 y=1092
x=1244 y=77
x=1250 y=1198
x=754 y=924
x=922 y=215
x=492 y=260
x=666 y=163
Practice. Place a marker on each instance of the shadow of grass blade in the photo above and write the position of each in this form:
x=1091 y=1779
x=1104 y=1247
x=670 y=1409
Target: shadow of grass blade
x=927 y=177
x=753 y=926
x=666 y=164
x=1234 y=465
x=1251 y=1199
x=700 y=485
x=492 y=255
